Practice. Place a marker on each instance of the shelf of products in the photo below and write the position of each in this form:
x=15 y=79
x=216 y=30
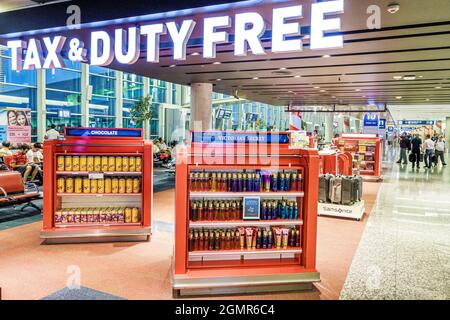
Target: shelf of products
x=100 y=187
x=366 y=152
x=244 y=218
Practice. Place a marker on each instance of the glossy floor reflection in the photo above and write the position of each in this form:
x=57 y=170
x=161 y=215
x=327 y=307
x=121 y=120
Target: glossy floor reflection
x=405 y=249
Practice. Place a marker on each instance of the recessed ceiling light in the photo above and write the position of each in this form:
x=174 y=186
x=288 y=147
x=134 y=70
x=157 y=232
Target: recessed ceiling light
x=427 y=99
x=217 y=62
x=195 y=54
x=172 y=65
x=297 y=76
x=322 y=90
x=409 y=77
x=420 y=76
x=316 y=87
x=357 y=90
x=397 y=77
x=218 y=79
x=255 y=78
x=282 y=68
x=438 y=87
x=289 y=91
x=326 y=56
x=398 y=97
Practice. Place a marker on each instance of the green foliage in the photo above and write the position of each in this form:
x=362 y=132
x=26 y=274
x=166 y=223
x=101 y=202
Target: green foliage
x=142 y=111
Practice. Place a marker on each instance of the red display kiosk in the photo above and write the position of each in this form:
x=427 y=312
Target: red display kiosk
x=335 y=162
x=97 y=186
x=233 y=244
x=366 y=151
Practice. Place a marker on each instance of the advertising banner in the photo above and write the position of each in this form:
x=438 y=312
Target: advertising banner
x=15 y=125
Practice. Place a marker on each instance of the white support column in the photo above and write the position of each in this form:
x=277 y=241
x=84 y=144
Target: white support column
x=447 y=132
x=119 y=100
x=329 y=117
x=146 y=92
x=85 y=95
x=201 y=106
x=41 y=108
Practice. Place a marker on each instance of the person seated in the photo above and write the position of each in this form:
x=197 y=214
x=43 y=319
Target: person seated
x=20 y=163
x=4 y=151
x=34 y=155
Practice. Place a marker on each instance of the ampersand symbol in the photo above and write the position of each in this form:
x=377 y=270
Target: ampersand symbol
x=76 y=51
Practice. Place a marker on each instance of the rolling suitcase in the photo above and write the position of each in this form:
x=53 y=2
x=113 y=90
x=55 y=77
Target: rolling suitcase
x=357 y=188
x=347 y=190
x=324 y=188
x=335 y=189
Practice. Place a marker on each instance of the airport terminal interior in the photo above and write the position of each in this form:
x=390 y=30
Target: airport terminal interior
x=260 y=150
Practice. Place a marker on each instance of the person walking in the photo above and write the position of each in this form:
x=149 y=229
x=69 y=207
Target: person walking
x=416 y=144
x=52 y=133
x=405 y=146
x=428 y=147
x=440 y=149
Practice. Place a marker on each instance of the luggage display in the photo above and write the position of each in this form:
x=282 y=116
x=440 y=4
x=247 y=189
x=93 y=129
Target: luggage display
x=335 y=191
x=324 y=187
x=345 y=190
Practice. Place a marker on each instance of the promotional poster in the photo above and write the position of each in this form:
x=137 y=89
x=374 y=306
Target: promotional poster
x=15 y=125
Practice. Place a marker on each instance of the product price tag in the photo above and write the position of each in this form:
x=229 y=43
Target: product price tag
x=96 y=176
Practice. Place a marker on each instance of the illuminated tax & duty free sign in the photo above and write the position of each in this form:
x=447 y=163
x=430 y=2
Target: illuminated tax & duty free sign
x=124 y=45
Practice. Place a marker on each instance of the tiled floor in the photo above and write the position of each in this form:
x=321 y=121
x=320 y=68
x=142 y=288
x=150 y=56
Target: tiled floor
x=405 y=249
x=29 y=270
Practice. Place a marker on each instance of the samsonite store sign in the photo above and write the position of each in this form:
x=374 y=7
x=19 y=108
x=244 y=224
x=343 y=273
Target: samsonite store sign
x=243 y=30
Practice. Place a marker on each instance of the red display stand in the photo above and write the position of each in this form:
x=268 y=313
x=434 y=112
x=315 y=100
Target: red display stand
x=97 y=186
x=335 y=162
x=366 y=151
x=200 y=267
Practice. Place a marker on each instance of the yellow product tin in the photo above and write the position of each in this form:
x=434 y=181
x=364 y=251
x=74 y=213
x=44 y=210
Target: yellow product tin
x=128 y=215
x=69 y=185
x=129 y=185
x=101 y=186
x=115 y=185
x=86 y=185
x=60 y=163
x=135 y=215
x=111 y=164
x=83 y=163
x=119 y=164
x=122 y=186
x=61 y=184
x=76 y=163
x=90 y=163
x=68 y=163
x=97 y=163
x=105 y=164
x=125 y=164
x=78 y=185
x=136 y=185
x=132 y=164
x=93 y=186
x=108 y=185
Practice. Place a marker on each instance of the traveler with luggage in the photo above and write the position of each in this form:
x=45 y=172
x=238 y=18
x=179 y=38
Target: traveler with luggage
x=416 y=144
x=440 y=150
x=405 y=145
x=428 y=147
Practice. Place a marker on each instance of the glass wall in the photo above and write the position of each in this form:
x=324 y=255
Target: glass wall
x=63 y=96
x=133 y=91
x=102 y=106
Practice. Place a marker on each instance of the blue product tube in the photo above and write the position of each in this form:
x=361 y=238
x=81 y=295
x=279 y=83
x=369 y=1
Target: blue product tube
x=249 y=182
x=257 y=183
x=282 y=182
x=290 y=211
x=287 y=182
x=295 y=211
x=274 y=182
